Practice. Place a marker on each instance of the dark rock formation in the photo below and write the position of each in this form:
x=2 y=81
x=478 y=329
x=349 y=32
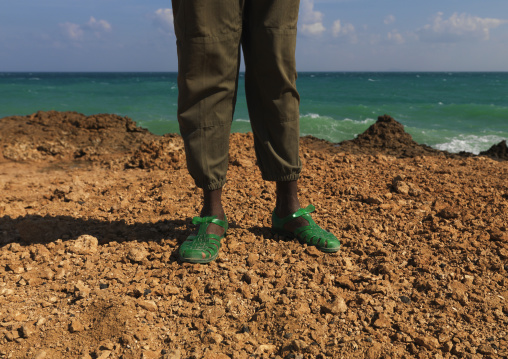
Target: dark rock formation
x=499 y=151
x=388 y=137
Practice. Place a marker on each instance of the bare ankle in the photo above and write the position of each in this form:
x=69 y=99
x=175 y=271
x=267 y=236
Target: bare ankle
x=212 y=203
x=287 y=201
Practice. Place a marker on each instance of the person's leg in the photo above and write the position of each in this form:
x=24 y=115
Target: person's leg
x=287 y=202
x=208 y=42
x=212 y=206
x=269 y=42
x=208 y=37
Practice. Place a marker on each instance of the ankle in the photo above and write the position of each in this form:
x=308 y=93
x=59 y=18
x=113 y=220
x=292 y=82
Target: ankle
x=216 y=210
x=212 y=203
x=285 y=210
x=287 y=201
x=286 y=206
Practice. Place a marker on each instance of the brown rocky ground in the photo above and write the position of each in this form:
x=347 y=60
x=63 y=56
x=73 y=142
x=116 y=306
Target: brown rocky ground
x=93 y=209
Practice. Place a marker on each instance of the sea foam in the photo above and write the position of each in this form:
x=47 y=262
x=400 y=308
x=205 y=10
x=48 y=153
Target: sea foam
x=469 y=143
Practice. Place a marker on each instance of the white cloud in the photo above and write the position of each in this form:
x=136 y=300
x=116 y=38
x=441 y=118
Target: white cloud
x=72 y=31
x=98 y=27
x=458 y=27
x=78 y=32
x=390 y=19
x=312 y=21
x=344 y=30
x=313 y=29
x=396 y=37
x=163 y=20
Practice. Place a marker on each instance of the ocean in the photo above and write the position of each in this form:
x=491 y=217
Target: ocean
x=453 y=111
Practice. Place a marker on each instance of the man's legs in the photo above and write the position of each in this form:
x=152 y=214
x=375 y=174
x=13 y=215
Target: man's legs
x=269 y=42
x=208 y=38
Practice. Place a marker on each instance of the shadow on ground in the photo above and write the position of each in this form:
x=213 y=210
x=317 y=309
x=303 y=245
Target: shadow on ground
x=33 y=229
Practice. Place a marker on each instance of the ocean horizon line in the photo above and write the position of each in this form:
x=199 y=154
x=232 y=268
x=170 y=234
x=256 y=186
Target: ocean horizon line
x=299 y=71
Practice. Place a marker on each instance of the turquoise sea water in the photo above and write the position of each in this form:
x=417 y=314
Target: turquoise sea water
x=449 y=111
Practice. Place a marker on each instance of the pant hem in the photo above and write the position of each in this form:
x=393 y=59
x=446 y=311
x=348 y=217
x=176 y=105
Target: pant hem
x=284 y=178
x=212 y=186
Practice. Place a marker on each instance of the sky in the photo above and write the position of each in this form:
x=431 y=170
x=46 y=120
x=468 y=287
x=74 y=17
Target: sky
x=333 y=35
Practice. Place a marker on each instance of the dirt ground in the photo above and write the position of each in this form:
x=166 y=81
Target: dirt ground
x=93 y=209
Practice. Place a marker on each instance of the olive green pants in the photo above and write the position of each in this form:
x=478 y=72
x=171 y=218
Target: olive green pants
x=209 y=36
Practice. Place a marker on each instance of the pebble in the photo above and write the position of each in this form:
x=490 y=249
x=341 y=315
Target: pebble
x=149 y=305
x=60 y=273
x=104 y=354
x=264 y=297
x=84 y=245
x=265 y=349
x=106 y=345
x=47 y=274
x=337 y=306
x=447 y=347
x=400 y=186
x=81 y=290
x=26 y=331
x=193 y=295
x=381 y=321
x=373 y=200
x=17 y=268
x=6 y=291
x=427 y=342
x=136 y=254
x=150 y=354
x=252 y=259
x=404 y=299
x=374 y=351
x=298 y=344
x=216 y=338
x=486 y=349
x=76 y=326
x=313 y=251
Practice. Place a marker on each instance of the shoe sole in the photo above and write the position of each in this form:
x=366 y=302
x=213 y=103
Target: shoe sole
x=291 y=235
x=199 y=261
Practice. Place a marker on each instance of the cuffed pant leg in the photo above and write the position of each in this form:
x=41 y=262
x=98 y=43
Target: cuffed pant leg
x=208 y=40
x=269 y=42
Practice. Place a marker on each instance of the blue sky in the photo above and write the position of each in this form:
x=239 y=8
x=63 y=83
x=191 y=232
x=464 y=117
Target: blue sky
x=333 y=35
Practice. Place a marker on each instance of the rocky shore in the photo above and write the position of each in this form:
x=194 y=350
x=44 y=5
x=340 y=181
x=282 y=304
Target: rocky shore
x=93 y=209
